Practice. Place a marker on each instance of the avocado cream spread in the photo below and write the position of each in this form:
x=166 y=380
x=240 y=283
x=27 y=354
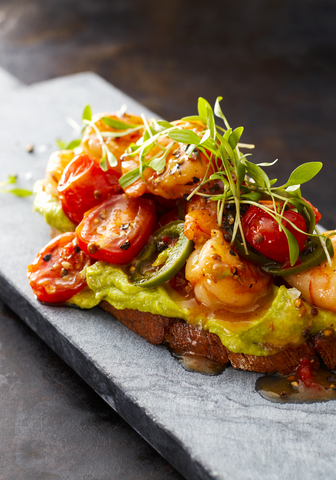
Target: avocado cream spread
x=276 y=324
x=263 y=332
x=279 y=324
x=51 y=208
x=109 y=282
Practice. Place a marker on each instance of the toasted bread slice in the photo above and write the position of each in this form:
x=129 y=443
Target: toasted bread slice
x=183 y=338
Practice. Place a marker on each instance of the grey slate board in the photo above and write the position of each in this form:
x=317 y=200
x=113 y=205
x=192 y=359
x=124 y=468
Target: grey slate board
x=207 y=427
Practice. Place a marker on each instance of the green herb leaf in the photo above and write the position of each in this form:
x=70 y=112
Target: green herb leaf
x=20 y=192
x=10 y=180
x=129 y=177
x=258 y=175
x=304 y=173
x=203 y=108
x=240 y=171
x=219 y=113
x=252 y=196
x=227 y=134
x=62 y=145
x=111 y=158
x=192 y=118
x=293 y=246
x=74 y=144
x=158 y=163
x=119 y=125
x=103 y=162
x=235 y=136
x=87 y=113
x=184 y=136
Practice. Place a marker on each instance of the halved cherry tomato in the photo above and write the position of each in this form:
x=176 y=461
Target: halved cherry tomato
x=317 y=214
x=262 y=232
x=118 y=229
x=85 y=185
x=56 y=273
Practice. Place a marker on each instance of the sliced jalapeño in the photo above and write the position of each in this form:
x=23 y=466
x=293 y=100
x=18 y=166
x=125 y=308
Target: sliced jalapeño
x=165 y=254
x=311 y=256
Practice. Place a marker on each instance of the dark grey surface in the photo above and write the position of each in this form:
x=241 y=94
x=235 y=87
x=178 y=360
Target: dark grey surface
x=207 y=427
x=78 y=435
x=53 y=426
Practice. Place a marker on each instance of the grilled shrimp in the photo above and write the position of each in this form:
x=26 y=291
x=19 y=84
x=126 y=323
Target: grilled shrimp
x=200 y=220
x=91 y=144
x=318 y=284
x=181 y=174
x=222 y=280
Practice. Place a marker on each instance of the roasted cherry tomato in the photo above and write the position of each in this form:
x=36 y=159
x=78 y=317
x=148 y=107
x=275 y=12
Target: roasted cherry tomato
x=118 y=229
x=317 y=214
x=57 y=272
x=85 y=185
x=262 y=232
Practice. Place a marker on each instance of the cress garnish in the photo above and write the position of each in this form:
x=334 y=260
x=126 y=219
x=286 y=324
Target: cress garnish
x=243 y=182
x=19 y=192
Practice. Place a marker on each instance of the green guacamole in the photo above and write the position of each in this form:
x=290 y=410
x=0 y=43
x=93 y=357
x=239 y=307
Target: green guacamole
x=50 y=207
x=272 y=328
x=109 y=282
x=263 y=332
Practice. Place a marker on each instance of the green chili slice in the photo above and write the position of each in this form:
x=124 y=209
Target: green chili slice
x=155 y=265
x=311 y=256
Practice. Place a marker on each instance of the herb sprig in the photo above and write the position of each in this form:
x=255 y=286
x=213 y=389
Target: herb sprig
x=108 y=159
x=19 y=192
x=244 y=182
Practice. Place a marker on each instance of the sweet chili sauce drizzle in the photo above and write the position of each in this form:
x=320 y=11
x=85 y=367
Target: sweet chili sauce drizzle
x=197 y=363
x=310 y=383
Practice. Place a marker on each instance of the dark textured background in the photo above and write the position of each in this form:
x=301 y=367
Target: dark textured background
x=273 y=61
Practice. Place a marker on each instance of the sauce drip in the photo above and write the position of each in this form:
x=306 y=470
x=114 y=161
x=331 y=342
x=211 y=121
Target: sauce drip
x=292 y=389
x=199 y=364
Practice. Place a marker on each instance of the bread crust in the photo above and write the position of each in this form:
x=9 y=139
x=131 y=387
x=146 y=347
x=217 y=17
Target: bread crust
x=183 y=338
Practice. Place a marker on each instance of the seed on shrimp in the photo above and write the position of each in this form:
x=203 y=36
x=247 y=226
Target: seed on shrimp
x=66 y=265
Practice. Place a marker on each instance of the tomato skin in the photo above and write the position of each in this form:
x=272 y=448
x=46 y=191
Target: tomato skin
x=317 y=214
x=305 y=373
x=46 y=273
x=102 y=233
x=262 y=232
x=84 y=185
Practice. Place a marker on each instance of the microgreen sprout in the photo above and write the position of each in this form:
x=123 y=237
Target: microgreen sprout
x=123 y=129
x=19 y=192
x=242 y=181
